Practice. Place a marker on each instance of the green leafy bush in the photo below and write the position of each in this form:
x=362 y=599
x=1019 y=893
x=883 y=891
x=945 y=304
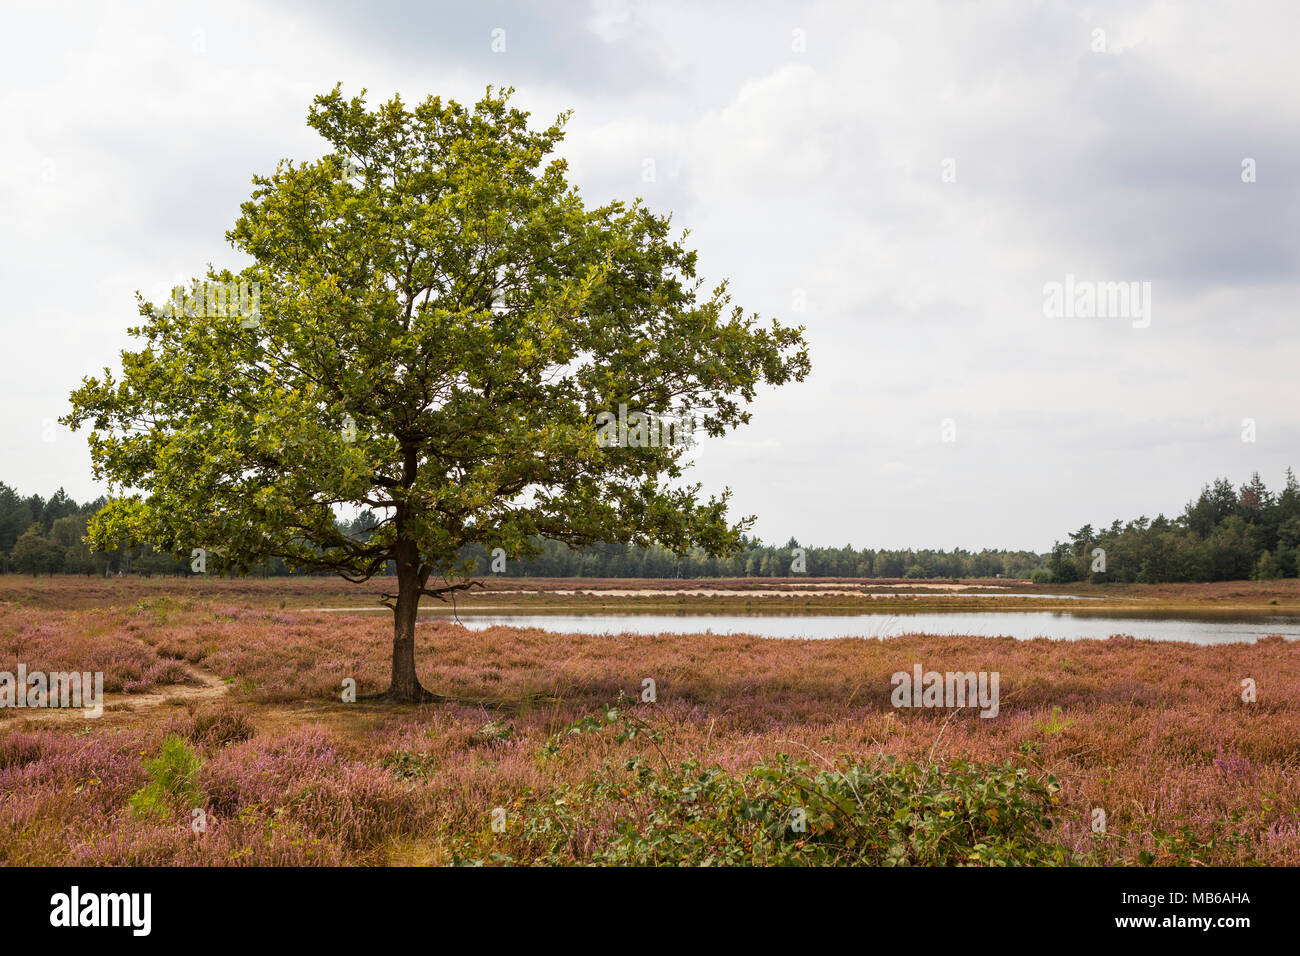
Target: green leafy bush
x=173 y=782
x=780 y=812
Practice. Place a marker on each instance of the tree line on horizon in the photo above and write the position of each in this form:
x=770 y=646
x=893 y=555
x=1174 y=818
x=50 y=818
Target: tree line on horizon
x=1226 y=533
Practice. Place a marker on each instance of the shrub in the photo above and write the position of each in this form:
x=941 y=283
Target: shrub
x=173 y=782
x=780 y=812
x=219 y=727
x=409 y=765
x=784 y=812
x=493 y=732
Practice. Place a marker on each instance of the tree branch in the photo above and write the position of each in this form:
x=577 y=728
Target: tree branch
x=439 y=592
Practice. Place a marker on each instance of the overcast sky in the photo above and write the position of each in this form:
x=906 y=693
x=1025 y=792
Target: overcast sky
x=902 y=178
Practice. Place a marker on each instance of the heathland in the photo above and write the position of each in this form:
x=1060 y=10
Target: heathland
x=226 y=737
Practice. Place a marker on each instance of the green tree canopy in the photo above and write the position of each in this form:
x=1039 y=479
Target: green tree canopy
x=35 y=554
x=438 y=320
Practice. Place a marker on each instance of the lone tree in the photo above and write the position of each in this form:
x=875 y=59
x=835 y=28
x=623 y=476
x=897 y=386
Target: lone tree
x=431 y=327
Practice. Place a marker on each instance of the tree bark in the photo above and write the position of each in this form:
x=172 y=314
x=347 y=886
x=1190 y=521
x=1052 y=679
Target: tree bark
x=404 y=687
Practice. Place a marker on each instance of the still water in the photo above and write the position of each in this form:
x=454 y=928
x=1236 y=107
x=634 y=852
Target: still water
x=1202 y=627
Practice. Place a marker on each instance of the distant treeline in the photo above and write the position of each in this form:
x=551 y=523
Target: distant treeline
x=1224 y=534
x=756 y=559
x=44 y=536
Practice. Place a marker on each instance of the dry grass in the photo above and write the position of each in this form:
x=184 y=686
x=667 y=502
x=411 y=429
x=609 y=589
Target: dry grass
x=1154 y=733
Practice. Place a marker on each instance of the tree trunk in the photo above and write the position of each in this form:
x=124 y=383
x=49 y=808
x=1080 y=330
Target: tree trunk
x=405 y=686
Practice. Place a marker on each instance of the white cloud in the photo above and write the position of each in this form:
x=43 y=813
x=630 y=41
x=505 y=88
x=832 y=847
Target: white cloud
x=816 y=173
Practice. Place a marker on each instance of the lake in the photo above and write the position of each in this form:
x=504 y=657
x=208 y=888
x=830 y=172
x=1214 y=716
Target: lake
x=1200 y=627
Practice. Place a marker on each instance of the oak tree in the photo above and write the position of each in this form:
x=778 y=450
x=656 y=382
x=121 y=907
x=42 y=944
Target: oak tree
x=431 y=323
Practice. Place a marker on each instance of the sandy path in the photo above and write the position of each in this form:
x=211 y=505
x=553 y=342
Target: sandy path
x=208 y=686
